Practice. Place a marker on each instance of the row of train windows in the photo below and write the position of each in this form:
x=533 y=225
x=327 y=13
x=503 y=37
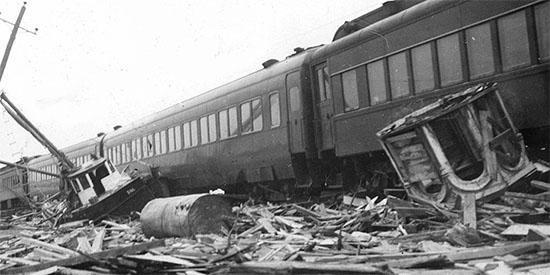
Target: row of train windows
x=10 y=181
x=499 y=45
x=53 y=169
x=221 y=125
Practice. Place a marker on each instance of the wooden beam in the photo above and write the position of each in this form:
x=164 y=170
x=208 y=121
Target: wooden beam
x=82 y=258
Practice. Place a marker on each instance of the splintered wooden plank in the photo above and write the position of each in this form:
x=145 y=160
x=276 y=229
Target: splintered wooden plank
x=267 y=225
x=519 y=229
x=53 y=247
x=541 y=185
x=489 y=252
x=82 y=259
x=161 y=258
x=18 y=260
x=98 y=241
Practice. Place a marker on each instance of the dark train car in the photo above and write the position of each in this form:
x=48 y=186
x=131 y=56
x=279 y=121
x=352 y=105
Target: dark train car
x=241 y=133
x=391 y=67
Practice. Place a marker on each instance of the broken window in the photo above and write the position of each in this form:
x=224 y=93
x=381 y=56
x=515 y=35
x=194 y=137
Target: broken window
x=459 y=145
x=246 y=122
x=257 y=123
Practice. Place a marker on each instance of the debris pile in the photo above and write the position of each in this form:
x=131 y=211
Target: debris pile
x=350 y=234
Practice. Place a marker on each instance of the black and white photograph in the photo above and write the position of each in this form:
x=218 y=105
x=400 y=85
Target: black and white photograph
x=275 y=137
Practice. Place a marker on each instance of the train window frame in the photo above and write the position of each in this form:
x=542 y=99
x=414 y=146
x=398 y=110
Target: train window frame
x=194 y=130
x=274 y=123
x=380 y=78
x=398 y=71
x=122 y=153
x=350 y=96
x=480 y=50
x=322 y=82
x=163 y=144
x=203 y=121
x=423 y=68
x=178 y=137
x=223 y=120
x=450 y=74
x=171 y=140
x=186 y=129
x=542 y=29
x=212 y=128
x=128 y=151
x=513 y=40
x=257 y=114
x=233 y=116
x=156 y=137
x=246 y=123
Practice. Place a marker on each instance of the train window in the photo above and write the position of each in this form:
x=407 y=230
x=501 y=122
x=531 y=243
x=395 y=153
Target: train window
x=514 y=44
x=163 y=146
x=377 y=82
x=233 y=122
x=186 y=135
x=275 y=110
x=109 y=154
x=171 y=140
x=450 y=61
x=423 y=71
x=123 y=153
x=246 y=122
x=212 y=127
x=543 y=29
x=177 y=135
x=150 y=142
x=257 y=122
x=349 y=85
x=115 y=156
x=204 y=130
x=322 y=82
x=128 y=151
x=295 y=102
x=118 y=154
x=224 y=123
x=480 y=50
x=157 y=143
x=144 y=146
x=137 y=150
x=399 y=75
x=194 y=133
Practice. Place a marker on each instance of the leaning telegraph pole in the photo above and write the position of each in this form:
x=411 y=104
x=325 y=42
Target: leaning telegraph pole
x=12 y=39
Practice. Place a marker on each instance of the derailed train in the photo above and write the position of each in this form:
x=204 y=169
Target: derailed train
x=311 y=120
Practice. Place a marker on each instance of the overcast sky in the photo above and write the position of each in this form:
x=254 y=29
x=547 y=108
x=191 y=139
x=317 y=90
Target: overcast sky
x=96 y=64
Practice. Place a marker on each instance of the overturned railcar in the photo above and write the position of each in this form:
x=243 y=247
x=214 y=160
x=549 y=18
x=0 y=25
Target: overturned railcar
x=464 y=143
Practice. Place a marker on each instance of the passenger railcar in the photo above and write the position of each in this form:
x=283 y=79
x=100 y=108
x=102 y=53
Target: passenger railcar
x=391 y=67
x=311 y=119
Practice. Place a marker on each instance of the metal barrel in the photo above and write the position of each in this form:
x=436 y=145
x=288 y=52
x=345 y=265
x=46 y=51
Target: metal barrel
x=185 y=216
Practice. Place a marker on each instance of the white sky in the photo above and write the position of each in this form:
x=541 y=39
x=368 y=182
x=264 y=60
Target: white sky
x=97 y=64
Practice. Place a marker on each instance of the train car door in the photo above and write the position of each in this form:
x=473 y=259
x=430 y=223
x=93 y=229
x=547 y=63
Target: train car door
x=324 y=110
x=295 y=112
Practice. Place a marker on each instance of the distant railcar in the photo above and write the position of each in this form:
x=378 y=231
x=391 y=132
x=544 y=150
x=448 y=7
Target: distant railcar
x=311 y=119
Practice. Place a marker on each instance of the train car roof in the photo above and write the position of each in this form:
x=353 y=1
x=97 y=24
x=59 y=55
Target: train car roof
x=377 y=29
x=288 y=64
x=67 y=150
